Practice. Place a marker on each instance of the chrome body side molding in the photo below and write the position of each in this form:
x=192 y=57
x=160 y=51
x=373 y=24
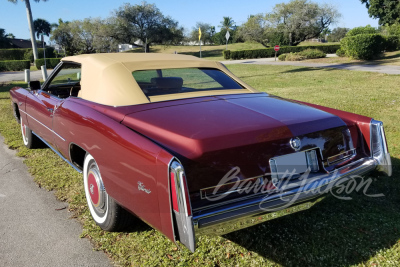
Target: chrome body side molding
x=58 y=153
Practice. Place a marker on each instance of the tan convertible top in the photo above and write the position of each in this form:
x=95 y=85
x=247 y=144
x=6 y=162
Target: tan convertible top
x=107 y=78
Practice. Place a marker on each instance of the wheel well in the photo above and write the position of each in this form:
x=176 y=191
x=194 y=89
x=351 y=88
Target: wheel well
x=17 y=115
x=77 y=155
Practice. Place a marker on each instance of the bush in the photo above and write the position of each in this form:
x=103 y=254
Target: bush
x=226 y=54
x=14 y=65
x=29 y=53
x=392 y=43
x=51 y=63
x=294 y=57
x=312 y=53
x=361 y=30
x=363 y=46
x=12 y=54
x=341 y=53
x=270 y=52
x=282 y=57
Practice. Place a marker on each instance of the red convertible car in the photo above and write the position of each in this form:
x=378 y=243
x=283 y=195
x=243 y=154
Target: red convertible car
x=189 y=148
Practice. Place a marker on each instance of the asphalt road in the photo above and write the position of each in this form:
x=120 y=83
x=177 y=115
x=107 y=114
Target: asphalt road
x=20 y=76
x=33 y=231
x=388 y=69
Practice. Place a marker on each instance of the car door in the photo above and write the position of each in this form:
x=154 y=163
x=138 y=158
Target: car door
x=41 y=104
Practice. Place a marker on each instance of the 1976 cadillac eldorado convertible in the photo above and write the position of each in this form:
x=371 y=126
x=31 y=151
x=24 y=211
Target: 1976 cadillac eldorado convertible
x=189 y=148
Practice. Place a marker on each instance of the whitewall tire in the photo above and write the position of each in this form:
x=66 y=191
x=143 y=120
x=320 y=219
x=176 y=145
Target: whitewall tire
x=104 y=210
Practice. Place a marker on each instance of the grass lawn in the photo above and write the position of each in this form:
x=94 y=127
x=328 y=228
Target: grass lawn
x=364 y=231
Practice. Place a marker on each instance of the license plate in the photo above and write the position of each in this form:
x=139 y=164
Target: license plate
x=287 y=165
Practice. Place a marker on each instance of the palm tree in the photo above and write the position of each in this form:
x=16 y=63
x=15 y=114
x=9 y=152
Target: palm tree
x=30 y=22
x=41 y=26
x=228 y=23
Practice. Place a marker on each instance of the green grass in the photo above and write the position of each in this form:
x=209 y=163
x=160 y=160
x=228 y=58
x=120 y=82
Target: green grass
x=362 y=232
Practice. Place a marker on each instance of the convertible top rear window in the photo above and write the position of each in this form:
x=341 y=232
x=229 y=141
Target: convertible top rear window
x=175 y=81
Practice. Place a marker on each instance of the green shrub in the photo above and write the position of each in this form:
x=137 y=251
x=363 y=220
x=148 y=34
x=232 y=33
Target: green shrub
x=361 y=30
x=312 y=53
x=14 y=65
x=282 y=57
x=12 y=54
x=341 y=53
x=51 y=63
x=363 y=46
x=294 y=57
x=226 y=54
x=392 y=43
x=270 y=52
x=49 y=53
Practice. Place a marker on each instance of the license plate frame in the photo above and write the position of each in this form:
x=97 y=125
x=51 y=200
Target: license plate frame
x=288 y=165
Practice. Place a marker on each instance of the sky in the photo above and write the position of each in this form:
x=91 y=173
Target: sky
x=14 y=20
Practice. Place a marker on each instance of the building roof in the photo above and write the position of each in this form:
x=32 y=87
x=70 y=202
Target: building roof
x=21 y=43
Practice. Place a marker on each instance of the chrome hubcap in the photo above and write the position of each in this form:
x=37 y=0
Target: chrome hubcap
x=96 y=191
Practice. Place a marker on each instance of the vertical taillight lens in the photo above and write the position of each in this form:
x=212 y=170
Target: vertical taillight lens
x=179 y=189
x=174 y=195
x=182 y=210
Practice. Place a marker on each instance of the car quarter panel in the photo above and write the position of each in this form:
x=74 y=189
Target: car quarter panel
x=362 y=122
x=126 y=159
x=18 y=97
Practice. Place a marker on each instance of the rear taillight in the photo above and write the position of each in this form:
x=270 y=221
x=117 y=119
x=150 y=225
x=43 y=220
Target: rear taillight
x=179 y=189
x=182 y=210
x=379 y=149
x=173 y=192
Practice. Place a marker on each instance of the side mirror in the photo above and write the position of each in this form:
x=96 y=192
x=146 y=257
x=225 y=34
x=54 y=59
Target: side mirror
x=34 y=85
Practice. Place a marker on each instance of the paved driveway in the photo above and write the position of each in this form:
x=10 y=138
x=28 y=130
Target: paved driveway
x=35 y=228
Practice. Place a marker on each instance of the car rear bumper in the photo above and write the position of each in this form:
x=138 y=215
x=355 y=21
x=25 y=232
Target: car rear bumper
x=238 y=215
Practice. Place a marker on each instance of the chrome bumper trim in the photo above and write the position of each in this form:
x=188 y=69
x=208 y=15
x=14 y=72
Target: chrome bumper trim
x=244 y=213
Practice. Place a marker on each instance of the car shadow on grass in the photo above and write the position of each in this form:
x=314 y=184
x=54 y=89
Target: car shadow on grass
x=334 y=232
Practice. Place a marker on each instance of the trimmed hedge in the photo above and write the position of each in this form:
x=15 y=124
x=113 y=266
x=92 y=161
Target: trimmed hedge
x=363 y=46
x=24 y=53
x=51 y=63
x=49 y=53
x=270 y=52
x=12 y=54
x=14 y=65
x=392 y=42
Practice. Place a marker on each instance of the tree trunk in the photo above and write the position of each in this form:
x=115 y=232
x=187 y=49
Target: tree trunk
x=290 y=39
x=30 y=22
